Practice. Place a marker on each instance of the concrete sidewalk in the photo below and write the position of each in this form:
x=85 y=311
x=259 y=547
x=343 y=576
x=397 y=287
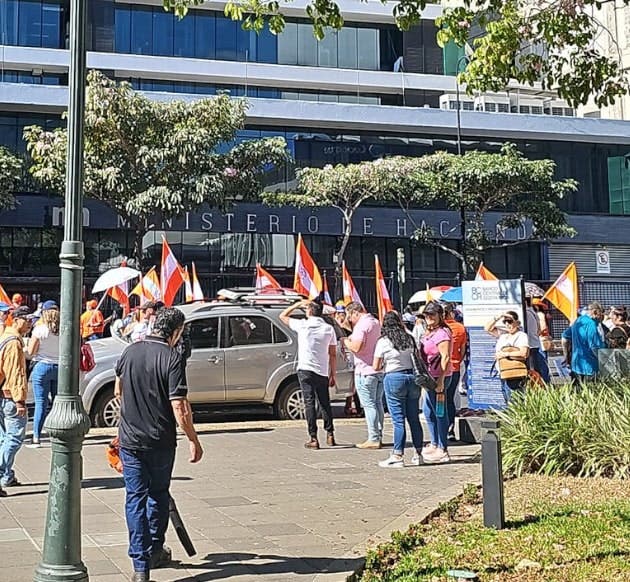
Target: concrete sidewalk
x=259 y=507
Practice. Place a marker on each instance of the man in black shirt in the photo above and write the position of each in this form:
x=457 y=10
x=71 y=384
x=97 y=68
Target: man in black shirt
x=151 y=382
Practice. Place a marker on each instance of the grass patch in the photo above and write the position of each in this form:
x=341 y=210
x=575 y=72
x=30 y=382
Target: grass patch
x=560 y=529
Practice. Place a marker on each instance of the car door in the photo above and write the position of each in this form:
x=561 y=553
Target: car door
x=206 y=366
x=254 y=348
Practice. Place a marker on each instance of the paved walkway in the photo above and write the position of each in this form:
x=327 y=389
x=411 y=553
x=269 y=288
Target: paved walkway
x=259 y=507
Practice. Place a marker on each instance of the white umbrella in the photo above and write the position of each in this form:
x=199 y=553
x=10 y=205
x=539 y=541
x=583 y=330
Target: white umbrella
x=421 y=296
x=114 y=277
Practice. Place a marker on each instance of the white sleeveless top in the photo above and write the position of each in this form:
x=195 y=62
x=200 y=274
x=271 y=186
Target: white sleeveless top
x=48 y=351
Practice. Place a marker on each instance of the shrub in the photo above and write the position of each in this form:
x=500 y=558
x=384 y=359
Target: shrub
x=568 y=430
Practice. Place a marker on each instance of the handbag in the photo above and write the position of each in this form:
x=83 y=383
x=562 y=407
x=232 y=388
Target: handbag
x=421 y=374
x=512 y=368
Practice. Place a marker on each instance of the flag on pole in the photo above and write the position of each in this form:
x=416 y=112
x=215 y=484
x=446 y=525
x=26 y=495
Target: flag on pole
x=171 y=275
x=564 y=293
x=485 y=274
x=382 y=294
x=4 y=297
x=188 y=292
x=148 y=289
x=197 y=291
x=265 y=280
x=307 y=280
x=429 y=295
x=350 y=292
x=325 y=293
x=120 y=293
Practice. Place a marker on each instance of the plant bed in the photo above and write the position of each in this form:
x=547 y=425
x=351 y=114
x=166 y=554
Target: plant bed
x=558 y=529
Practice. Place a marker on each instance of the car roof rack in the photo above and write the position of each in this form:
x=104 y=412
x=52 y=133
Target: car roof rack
x=255 y=296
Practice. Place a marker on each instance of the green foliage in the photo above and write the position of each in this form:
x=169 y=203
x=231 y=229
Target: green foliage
x=545 y=41
x=10 y=174
x=149 y=158
x=569 y=431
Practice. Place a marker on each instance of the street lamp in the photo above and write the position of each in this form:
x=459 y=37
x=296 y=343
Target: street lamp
x=68 y=423
x=462 y=208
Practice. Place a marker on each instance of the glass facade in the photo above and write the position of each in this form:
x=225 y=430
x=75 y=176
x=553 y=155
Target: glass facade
x=8 y=76
x=36 y=23
x=206 y=34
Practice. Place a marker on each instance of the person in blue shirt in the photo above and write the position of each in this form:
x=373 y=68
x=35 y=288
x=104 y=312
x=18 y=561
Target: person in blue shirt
x=580 y=343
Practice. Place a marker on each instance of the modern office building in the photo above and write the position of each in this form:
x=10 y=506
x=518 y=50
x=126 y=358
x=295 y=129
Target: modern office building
x=362 y=93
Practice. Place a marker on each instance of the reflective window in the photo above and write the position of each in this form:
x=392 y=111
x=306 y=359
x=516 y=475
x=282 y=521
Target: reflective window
x=287 y=44
x=141 y=31
x=327 y=50
x=226 y=39
x=267 y=47
x=348 y=55
x=185 y=36
x=368 y=48
x=36 y=23
x=204 y=333
x=51 y=25
x=205 y=35
x=122 y=37
x=248 y=331
x=163 y=29
x=307 y=45
x=30 y=23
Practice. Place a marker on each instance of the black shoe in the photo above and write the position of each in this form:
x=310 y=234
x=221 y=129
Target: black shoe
x=140 y=577
x=161 y=559
x=330 y=440
x=3 y=493
x=12 y=483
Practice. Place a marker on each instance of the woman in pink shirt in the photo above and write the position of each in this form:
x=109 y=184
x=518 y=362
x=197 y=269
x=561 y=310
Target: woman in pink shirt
x=436 y=351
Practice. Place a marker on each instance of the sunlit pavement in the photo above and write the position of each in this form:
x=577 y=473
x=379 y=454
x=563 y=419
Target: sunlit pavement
x=259 y=507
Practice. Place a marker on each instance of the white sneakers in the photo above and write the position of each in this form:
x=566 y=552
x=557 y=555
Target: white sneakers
x=435 y=455
x=395 y=461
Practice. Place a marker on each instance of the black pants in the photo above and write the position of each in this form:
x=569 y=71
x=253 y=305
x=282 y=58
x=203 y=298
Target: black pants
x=314 y=387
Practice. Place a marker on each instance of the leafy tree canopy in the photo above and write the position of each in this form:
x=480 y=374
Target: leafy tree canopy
x=546 y=41
x=146 y=158
x=478 y=183
x=10 y=174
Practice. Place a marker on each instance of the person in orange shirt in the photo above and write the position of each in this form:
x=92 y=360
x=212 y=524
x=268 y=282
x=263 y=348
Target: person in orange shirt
x=92 y=322
x=458 y=352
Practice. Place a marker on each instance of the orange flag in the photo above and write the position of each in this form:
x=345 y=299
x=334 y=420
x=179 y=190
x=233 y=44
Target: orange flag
x=484 y=274
x=382 y=294
x=148 y=289
x=350 y=292
x=197 y=291
x=120 y=293
x=171 y=275
x=4 y=297
x=188 y=292
x=265 y=280
x=307 y=280
x=564 y=293
x=325 y=293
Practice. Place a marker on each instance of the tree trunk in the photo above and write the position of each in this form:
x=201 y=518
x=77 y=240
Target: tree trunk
x=140 y=230
x=342 y=251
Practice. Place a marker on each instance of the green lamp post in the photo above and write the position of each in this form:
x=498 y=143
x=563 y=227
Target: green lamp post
x=68 y=423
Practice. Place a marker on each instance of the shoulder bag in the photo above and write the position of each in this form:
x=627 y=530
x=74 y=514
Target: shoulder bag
x=512 y=367
x=421 y=374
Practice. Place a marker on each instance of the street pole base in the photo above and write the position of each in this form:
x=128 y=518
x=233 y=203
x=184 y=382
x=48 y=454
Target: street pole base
x=61 y=573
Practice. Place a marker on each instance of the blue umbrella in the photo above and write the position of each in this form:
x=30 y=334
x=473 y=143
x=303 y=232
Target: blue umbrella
x=453 y=295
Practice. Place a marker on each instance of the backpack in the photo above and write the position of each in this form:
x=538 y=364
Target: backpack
x=87 y=362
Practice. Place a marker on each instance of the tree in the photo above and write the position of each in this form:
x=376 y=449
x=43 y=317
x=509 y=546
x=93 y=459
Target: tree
x=148 y=159
x=345 y=188
x=546 y=41
x=10 y=175
x=475 y=184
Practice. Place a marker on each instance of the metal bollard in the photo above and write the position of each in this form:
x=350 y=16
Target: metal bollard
x=492 y=475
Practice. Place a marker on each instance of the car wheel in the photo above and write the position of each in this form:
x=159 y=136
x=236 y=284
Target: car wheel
x=290 y=403
x=106 y=410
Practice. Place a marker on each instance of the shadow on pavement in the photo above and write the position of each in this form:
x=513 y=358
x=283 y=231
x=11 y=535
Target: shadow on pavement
x=225 y=566
x=235 y=430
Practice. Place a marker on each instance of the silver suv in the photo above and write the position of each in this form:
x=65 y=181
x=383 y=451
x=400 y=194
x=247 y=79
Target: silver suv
x=242 y=354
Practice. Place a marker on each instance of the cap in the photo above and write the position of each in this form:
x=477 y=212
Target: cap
x=50 y=304
x=4 y=307
x=17 y=298
x=147 y=305
x=340 y=308
x=91 y=304
x=21 y=312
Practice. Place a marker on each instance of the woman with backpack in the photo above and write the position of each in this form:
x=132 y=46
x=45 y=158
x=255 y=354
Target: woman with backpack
x=619 y=335
x=43 y=350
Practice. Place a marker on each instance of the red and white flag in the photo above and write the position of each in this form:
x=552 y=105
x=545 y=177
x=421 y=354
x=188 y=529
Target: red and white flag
x=307 y=280
x=171 y=275
x=325 y=293
x=382 y=294
x=148 y=289
x=265 y=280
x=197 y=291
x=484 y=274
x=350 y=292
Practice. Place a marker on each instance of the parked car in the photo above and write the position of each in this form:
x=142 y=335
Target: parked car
x=242 y=354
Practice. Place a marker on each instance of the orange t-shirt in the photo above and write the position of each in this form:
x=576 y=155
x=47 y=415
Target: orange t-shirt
x=458 y=346
x=94 y=317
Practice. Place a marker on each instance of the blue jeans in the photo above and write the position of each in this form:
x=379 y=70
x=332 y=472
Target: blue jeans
x=438 y=426
x=44 y=379
x=451 y=388
x=12 y=431
x=403 y=401
x=370 y=391
x=147 y=477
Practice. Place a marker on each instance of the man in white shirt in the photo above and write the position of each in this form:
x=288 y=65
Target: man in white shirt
x=317 y=353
